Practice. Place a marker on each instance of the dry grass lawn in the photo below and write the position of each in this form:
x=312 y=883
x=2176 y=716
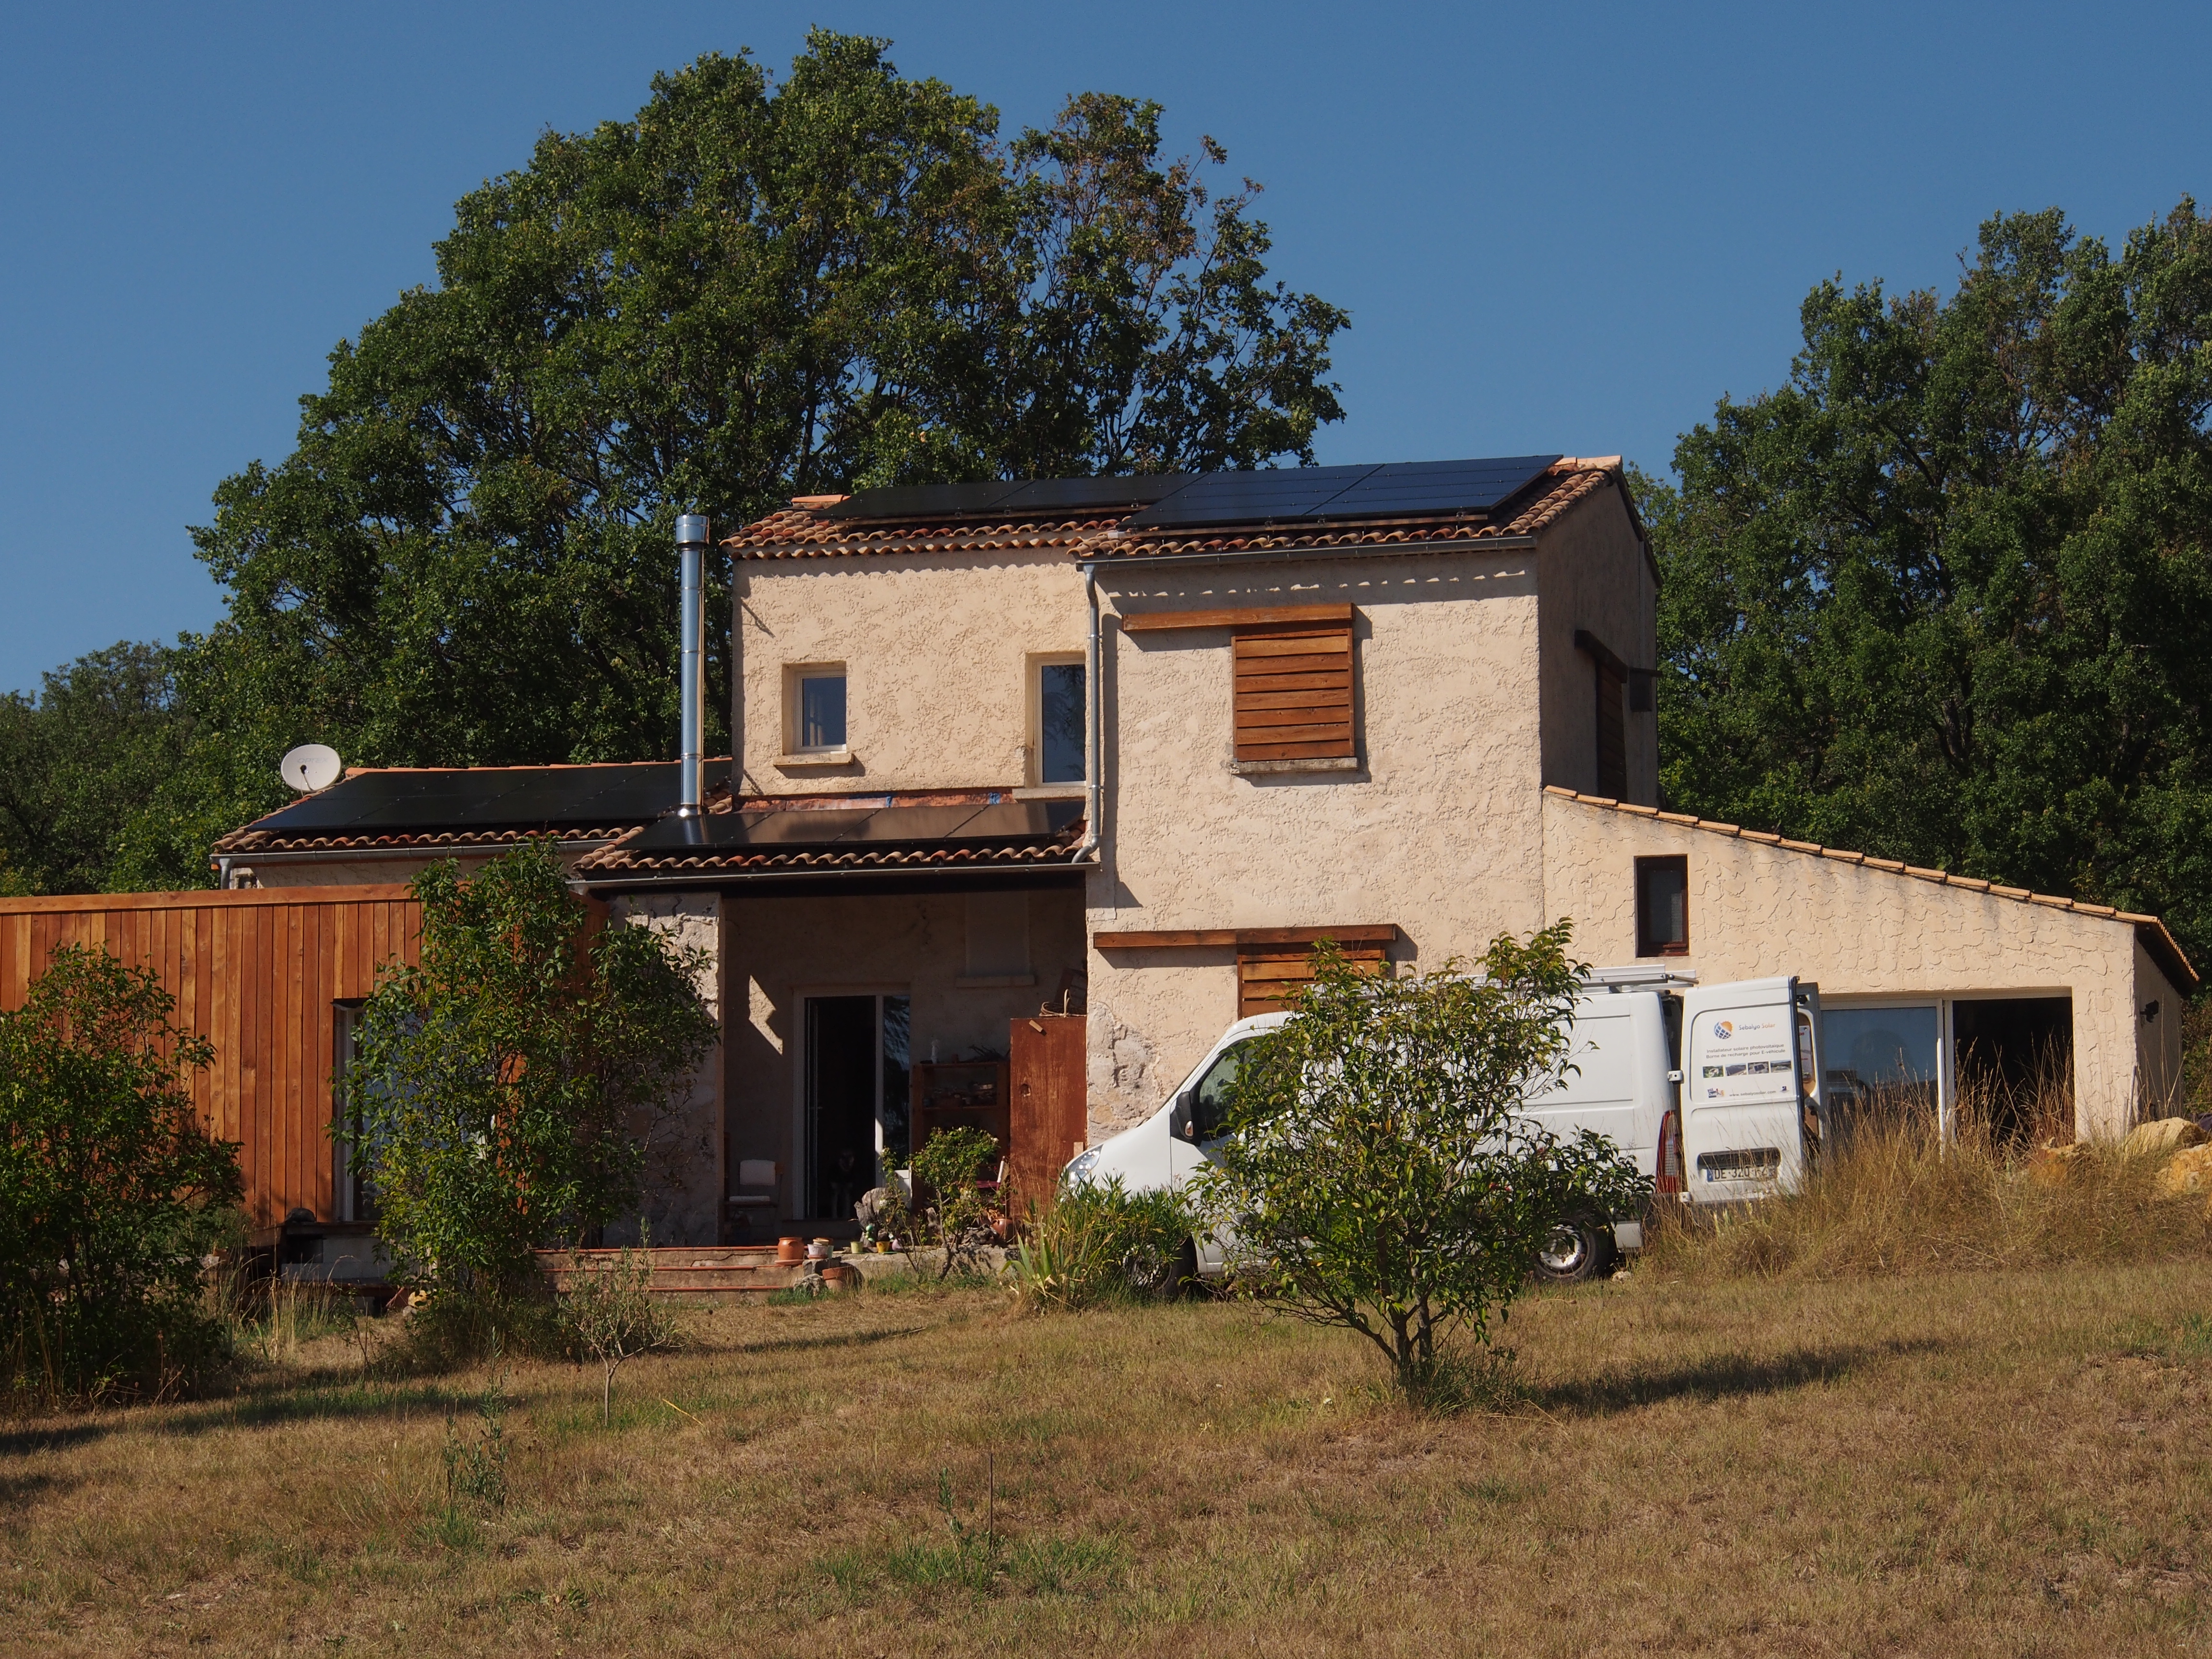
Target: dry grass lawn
x=2008 y=1462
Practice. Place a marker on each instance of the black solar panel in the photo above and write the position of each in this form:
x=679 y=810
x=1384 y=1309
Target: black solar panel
x=1417 y=486
x=1404 y=488
x=1291 y=492
x=841 y=829
x=492 y=797
x=1092 y=495
x=952 y=501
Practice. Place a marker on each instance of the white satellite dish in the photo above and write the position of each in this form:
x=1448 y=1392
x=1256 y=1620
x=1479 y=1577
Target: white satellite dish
x=310 y=767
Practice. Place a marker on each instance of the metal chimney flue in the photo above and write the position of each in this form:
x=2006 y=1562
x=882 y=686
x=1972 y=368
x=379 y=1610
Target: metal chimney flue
x=691 y=536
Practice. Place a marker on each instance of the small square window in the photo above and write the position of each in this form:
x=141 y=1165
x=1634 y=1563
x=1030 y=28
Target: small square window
x=1059 y=722
x=822 y=711
x=1662 y=906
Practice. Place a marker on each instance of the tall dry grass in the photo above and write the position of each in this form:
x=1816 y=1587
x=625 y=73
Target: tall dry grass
x=1891 y=1197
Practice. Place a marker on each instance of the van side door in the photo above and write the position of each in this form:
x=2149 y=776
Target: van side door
x=1742 y=1114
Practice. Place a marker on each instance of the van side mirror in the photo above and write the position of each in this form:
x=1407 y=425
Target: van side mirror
x=1182 y=1121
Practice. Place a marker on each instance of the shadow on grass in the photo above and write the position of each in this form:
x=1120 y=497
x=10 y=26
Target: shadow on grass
x=17 y=1490
x=826 y=1340
x=1721 y=1376
x=261 y=1404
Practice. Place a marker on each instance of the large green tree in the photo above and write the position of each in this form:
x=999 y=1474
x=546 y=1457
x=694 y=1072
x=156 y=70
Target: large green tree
x=752 y=290
x=1943 y=595
x=78 y=763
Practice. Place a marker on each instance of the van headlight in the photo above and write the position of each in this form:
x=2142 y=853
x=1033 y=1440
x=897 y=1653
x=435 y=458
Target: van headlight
x=1080 y=1166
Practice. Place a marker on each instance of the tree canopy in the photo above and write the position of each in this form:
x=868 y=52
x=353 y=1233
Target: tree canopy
x=756 y=289
x=78 y=763
x=1940 y=596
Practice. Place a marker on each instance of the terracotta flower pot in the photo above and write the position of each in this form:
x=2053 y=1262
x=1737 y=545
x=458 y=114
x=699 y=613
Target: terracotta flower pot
x=790 y=1251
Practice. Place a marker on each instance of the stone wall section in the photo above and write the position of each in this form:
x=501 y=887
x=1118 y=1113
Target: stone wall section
x=684 y=1154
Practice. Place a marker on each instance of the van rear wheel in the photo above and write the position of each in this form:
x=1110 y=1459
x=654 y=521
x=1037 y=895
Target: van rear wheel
x=1580 y=1249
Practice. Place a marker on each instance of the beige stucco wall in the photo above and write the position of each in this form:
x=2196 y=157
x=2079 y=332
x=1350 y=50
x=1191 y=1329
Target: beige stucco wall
x=684 y=1156
x=778 y=951
x=936 y=649
x=1757 y=908
x=1436 y=832
x=1594 y=574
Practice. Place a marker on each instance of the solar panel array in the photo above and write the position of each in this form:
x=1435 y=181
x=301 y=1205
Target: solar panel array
x=522 y=796
x=1182 y=500
x=1404 y=489
x=843 y=830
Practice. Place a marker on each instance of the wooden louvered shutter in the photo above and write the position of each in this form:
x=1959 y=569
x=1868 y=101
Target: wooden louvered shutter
x=1294 y=693
x=1612 y=739
x=1269 y=975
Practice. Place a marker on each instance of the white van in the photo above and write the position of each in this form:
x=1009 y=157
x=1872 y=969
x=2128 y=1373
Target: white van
x=1712 y=1089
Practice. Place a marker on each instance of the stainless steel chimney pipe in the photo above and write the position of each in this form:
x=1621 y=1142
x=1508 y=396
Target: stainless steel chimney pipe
x=691 y=536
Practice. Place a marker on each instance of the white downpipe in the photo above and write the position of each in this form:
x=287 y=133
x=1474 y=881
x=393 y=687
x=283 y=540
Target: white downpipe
x=1094 y=742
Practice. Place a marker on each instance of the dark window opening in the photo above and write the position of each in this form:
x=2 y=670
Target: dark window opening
x=1612 y=733
x=822 y=711
x=856 y=1097
x=1662 y=906
x=1643 y=690
x=2015 y=1067
x=1059 y=722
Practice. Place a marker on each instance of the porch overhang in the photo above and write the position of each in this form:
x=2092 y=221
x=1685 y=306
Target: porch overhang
x=965 y=847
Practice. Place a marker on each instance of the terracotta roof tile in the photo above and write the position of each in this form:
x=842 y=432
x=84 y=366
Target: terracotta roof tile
x=2152 y=931
x=799 y=533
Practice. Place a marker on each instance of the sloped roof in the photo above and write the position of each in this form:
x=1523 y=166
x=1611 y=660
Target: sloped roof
x=804 y=531
x=818 y=839
x=2161 y=945
x=442 y=809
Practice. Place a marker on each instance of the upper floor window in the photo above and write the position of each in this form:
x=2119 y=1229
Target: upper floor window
x=1662 y=906
x=818 y=708
x=1059 y=707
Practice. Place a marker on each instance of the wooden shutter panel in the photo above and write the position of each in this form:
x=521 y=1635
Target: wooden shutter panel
x=1612 y=739
x=1294 y=693
x=1269 y=975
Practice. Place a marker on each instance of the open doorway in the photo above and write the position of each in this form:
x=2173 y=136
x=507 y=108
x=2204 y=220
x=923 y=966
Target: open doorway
x=855 y=1105
x=2015 y=1066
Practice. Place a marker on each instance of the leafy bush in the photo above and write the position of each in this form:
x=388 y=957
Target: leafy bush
x=1101 y=1243
x=949 y=1164
x=111 y=1191
x=1380 y=1171
x=503 y=1091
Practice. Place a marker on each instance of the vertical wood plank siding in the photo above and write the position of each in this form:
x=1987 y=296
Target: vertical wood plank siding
x=256 y=973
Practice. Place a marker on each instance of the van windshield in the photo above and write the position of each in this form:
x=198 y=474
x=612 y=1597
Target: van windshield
x=1210 y=1097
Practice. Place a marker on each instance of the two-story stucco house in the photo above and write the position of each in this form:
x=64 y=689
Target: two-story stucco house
x=1098 y=760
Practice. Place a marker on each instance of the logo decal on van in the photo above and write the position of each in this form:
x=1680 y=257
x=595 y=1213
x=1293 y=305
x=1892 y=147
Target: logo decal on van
x=1722 y=1028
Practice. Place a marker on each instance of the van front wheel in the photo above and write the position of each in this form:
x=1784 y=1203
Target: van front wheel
x=1580 y=1247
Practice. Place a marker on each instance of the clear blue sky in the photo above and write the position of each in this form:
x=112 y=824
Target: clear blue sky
x=1565 y=229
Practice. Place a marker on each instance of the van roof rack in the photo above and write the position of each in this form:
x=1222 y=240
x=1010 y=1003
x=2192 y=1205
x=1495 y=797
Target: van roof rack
x=1639 y=978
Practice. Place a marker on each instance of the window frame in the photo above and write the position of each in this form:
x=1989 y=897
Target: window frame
x=1647 y=944
x=1034 y=671
x=795 y=675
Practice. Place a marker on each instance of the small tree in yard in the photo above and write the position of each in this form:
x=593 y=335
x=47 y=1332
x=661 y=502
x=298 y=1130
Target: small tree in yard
x=503 y=1092
x=949 y=1164
x=609 y=1314
x=1380 y=1170
x=111 y=1191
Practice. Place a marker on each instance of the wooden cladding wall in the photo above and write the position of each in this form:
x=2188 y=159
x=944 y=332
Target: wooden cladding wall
x=1269 y=975
x=256 y=973
x=1294 y=693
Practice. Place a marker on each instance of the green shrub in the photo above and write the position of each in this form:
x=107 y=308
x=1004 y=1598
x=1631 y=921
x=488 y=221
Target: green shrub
x=1380 y=1170
x=949 y=1164
x=1100 y=1243
x=610 y=1315
x=113 y=1194
x=503 y=1090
